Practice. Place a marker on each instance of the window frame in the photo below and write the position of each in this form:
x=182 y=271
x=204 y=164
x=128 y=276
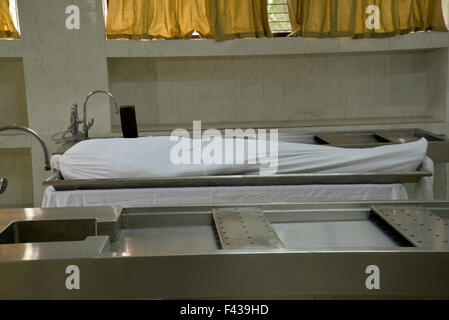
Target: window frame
x=14 y=11
x=283 y=3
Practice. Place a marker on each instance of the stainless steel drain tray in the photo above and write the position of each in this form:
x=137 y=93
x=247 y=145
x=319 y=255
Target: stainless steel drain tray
x=245 y=228
x=421 y=227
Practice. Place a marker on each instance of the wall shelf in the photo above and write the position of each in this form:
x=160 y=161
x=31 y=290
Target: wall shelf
x=252 y=47
x=284 y=125
x=272 y=46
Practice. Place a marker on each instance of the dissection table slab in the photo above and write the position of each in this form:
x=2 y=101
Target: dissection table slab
x=268 y=251
x=420 y=226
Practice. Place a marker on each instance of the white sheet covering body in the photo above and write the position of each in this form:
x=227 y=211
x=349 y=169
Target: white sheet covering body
x=150 y=157
x=223 y=195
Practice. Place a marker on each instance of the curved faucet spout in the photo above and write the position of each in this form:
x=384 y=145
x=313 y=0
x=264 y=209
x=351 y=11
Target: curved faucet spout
x=34 y=133
x=86 y=126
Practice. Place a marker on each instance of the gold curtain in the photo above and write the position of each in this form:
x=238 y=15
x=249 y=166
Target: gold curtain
x=346 y=18
x=178 y=19
x=241 y=19
x=7 y=29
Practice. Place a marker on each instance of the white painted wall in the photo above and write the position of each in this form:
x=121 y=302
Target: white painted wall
x=294 y=90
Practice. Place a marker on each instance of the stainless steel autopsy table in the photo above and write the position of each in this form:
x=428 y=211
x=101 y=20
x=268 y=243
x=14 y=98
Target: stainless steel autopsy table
x=438 y=151
x=359 y=250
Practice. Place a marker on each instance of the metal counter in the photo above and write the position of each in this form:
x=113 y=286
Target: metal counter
x=268 y=251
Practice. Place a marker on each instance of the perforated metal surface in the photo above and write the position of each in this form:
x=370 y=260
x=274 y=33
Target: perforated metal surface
x=245 y=228
x=421 y=227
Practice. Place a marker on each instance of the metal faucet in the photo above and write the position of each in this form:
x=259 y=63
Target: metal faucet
x=74 y=122
x=34 y=133
x=87 y=126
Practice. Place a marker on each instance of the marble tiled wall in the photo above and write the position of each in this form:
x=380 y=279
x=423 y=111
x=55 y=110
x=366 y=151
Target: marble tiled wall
x=19 y=175
x=281 y=88
x=15 y=164
x=134 y=81
x=12 y=92
x=61 y=67
x=437 y=89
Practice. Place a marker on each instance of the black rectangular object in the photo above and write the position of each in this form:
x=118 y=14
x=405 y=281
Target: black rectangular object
x=129 y=122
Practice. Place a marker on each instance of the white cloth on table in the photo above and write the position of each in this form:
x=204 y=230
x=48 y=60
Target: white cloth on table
x=425 y=185
x=150 y=157
x=223 y=195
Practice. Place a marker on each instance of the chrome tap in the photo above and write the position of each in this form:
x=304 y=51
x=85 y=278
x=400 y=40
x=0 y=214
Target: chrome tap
x=74 y=121
x=87 y=126
x=38 y=137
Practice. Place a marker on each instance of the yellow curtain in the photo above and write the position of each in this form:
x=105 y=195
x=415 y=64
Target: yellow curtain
x=347 y=18
x=241 y=19
x=196 y=15
x=7 y=29
x=178 y=19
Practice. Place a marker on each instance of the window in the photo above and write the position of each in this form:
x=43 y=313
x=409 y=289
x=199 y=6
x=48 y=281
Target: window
x=278 y=17
x=14 y=14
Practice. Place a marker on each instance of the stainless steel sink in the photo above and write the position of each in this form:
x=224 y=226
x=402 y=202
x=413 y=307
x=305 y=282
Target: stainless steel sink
x=48 y=231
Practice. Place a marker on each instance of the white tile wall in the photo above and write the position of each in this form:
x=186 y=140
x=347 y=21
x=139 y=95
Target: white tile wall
x=13 y=107
x=19 y=175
